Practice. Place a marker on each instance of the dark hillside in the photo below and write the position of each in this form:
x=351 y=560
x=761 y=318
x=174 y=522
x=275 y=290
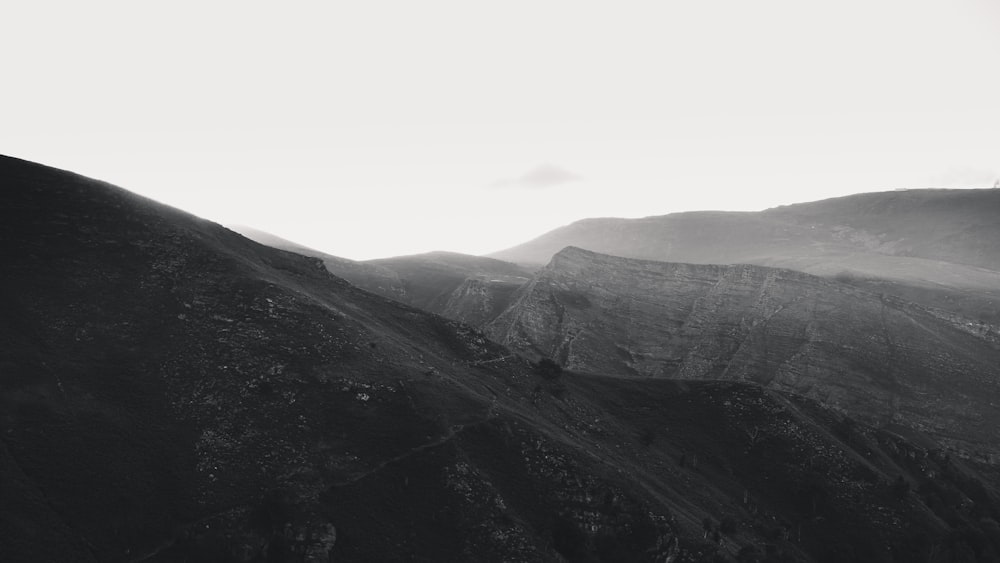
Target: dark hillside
x=171 y=391
x=378 y=280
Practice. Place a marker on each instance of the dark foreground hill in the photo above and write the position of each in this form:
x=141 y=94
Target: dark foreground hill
x=171 y=391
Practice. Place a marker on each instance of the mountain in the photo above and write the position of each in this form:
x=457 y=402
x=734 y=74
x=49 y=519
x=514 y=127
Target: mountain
x=955 y=226
x=172 y=391
x=879 y=358
x=921 y=244
x=430 y=280
x=376 y=279
x=471 y=289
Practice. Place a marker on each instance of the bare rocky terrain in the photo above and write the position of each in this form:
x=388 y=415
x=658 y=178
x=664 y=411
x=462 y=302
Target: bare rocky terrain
x=172 y=391
x=880 y=358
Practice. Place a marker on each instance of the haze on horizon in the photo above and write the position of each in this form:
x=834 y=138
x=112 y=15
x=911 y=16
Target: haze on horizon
x=389 y=128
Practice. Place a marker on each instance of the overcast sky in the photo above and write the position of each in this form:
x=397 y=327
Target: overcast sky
x=369 y=129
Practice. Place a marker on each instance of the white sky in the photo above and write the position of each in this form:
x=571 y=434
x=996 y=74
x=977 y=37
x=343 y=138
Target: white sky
x=370 y=129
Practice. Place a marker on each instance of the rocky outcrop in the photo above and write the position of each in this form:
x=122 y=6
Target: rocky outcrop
x=370 y=277
x=378 y=280
x=883 y=359
x=479 y=300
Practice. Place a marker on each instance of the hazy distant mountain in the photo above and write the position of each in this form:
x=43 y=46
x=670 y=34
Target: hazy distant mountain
x=468 y=288
x=931 y=238
x=370 y=277
x=880 y=358
x=171 y=391
x=441 y=281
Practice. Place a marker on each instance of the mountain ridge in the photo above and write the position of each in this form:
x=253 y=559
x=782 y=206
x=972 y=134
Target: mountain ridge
x=931 y=239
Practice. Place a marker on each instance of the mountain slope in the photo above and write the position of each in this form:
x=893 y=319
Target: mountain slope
x=462 y=287
x=930 y=239
x=370 y=277
x=877 y=357
x=172 y=387
x=955 y=226
x=431 y=279
x=171 y=391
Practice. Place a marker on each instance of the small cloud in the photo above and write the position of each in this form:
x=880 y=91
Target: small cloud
x=539 y=178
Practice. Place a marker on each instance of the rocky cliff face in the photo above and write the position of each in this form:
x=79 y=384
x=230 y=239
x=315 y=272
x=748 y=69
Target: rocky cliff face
x=477 y=301
x=879 y=358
